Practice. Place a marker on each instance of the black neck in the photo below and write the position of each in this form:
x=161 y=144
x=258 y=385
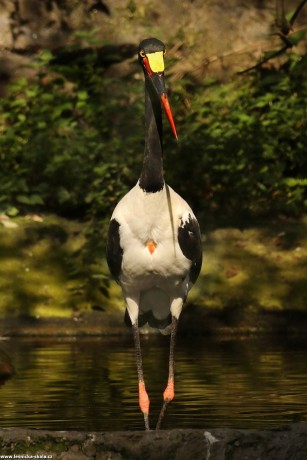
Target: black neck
x=151 y=179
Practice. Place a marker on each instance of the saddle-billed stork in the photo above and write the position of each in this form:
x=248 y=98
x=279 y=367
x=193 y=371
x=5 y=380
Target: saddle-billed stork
x=154 y=244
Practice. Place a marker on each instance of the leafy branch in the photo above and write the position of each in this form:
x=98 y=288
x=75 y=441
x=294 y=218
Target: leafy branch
x=285 y=28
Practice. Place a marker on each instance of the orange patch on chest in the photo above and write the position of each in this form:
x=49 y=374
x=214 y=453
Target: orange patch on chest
x=151 y=246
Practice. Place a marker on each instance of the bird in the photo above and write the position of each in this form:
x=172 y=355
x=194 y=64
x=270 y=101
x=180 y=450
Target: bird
x=154 y=248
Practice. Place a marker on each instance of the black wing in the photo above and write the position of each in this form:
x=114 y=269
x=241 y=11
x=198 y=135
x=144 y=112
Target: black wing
x=114 y=250
x=189 y=239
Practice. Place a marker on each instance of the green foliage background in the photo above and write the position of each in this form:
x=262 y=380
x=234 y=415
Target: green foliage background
x=72 y=143
x=245 y=142
x=72 y=140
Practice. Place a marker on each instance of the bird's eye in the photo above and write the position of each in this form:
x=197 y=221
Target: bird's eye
x=142 y=53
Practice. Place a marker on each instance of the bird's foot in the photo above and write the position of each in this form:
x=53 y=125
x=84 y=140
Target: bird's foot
x=162 y=413
x=146 y=420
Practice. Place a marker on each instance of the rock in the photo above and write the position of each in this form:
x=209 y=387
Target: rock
x=74 y=453
x=6 y=221
x=9 y=224
x=284 y=443
x=6 y=33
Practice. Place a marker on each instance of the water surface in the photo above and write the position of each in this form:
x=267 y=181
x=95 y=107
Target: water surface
x=90 y=384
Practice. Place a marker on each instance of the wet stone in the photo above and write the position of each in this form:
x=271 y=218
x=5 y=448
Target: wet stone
x=74 y=453
x=89 y=448
x=284 y=443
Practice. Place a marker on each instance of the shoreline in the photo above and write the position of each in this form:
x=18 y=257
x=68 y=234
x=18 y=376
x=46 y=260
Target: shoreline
x=195 y=321
x=282 y=443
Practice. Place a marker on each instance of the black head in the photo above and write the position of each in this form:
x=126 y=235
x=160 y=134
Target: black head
x=149 y=46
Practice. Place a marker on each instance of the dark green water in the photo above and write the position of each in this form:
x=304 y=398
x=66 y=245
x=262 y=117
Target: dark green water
x=91 y=384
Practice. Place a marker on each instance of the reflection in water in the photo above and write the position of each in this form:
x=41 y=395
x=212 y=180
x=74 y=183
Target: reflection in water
x=92 y=384
x=6 y=367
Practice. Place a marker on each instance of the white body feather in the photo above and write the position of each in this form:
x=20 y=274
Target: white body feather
x=155 y=281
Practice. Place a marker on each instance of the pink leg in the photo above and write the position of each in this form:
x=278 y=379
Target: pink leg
x=169 y=392
x=143 y=396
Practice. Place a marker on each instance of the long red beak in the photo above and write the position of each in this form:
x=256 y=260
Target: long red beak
x=157 y=79
x=168 y=111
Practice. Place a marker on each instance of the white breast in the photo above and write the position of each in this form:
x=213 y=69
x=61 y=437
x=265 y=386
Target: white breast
x=154 y=217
